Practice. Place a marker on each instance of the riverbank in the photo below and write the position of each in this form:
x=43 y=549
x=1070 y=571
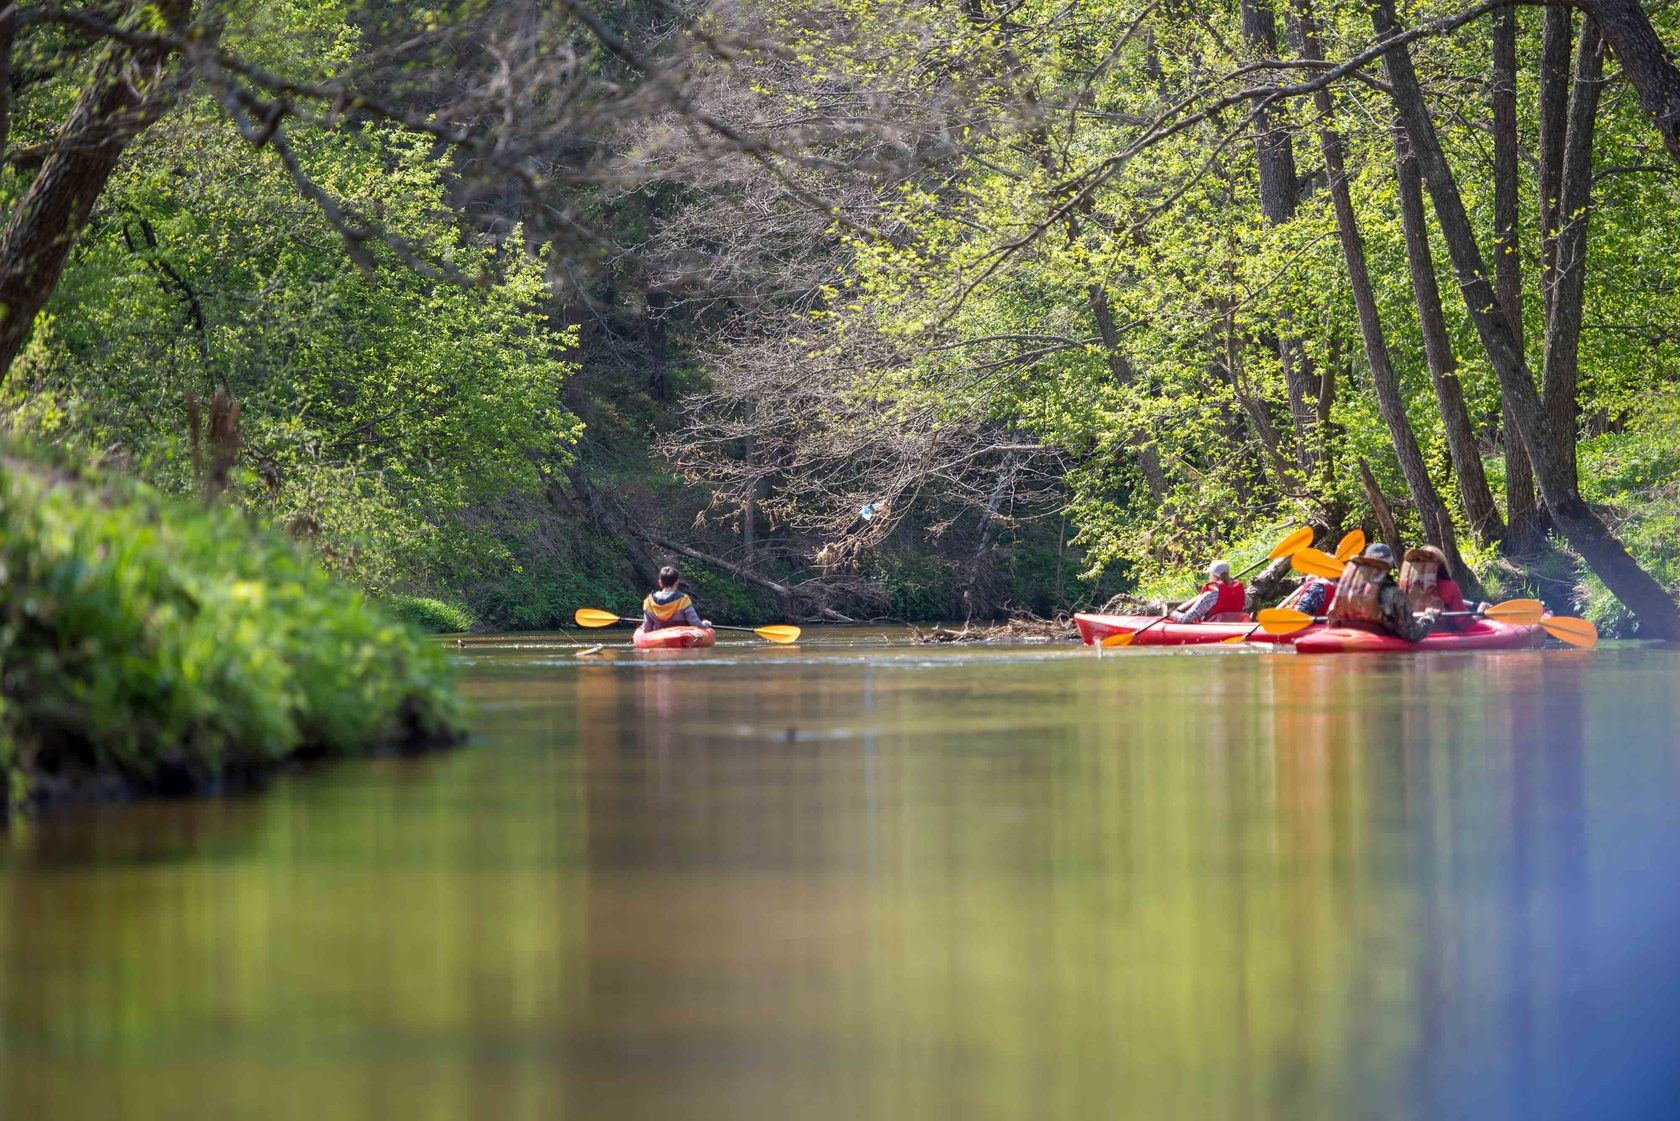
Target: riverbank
x=154 y=646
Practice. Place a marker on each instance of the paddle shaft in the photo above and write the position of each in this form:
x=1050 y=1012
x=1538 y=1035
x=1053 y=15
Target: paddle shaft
x=714 y=626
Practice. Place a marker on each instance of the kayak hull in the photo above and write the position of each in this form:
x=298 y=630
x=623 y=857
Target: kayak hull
x=1487 y=634
x=1094 y=628
x=674 y=638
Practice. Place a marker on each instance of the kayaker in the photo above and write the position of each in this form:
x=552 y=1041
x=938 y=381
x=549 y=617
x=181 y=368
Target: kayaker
x=1425 y=581
x=1221 y=600
x=1368 y=596
x=670 y=606
x=1313 y=595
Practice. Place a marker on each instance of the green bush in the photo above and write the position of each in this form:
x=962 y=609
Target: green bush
x=159 y=646
x=431 y=615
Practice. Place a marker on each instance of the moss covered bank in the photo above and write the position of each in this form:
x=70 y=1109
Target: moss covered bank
x=149 y=646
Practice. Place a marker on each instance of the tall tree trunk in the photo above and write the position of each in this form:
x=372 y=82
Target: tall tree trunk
x=1479 y=507
x=1650 y=603
x=1556 y=43
x=1648 y=64
x=1149 y=459
x=1563 y=326
x=1525 y=532
x=1274 y=151
x=1390 y=401
x=1388 y=394
x=129 y=89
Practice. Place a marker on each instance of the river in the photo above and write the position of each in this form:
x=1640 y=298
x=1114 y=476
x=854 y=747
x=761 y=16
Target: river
x=859 y=879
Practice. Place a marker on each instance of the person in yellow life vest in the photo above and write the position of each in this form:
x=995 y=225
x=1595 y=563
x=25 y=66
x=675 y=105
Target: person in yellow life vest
x=1368 y=596
x=670 y=605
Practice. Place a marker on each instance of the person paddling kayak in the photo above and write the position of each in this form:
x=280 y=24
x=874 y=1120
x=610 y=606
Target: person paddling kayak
x=1368 y=596
x=1221 y=600
x=1425 y=581
x=670 y=606
x=1314 y=595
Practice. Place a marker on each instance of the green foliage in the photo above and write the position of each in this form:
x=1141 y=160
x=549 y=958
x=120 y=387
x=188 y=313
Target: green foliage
x=549 y=577
x=377 y=404
x=982 y=305
x=170 y=646
x=724 y=599
x=917 y=586
x=433 y=616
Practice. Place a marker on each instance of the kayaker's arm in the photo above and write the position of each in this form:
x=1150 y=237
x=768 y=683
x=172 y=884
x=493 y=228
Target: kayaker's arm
x=1398 y=619
x=1195 y=610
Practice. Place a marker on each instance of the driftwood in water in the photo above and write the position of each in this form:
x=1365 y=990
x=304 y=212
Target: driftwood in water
x=1025 y=629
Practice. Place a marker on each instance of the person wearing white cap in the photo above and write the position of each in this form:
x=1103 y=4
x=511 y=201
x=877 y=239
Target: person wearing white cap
x=1221 y=600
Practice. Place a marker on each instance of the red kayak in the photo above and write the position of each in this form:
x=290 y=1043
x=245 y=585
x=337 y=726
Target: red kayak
x=674 y=638
x=1487 y=634
x=1094 y=628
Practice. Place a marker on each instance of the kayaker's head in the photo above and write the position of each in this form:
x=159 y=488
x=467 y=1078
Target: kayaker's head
x=1219 y=570
x=1427 y=554
x=668 y=576
x=1380 y=552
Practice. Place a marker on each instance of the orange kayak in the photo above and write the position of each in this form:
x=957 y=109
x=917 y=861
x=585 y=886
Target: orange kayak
x=674 y=638
x=1094 y=628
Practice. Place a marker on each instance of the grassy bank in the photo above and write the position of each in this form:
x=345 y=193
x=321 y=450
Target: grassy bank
x=153 y=646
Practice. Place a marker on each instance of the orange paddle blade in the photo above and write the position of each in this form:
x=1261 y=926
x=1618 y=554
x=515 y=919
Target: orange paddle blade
x=1350 y=546
x=1282 y=620
x=1576 y=632
x=1517 y=612
x=1114 y=640
x=777 y=633
x=1292 y=544
x=1316 y=562
x=591 y=617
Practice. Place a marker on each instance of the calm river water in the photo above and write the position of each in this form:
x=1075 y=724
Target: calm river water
x=856 y=879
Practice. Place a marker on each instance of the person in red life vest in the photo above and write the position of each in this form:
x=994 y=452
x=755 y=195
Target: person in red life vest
x=670 y=605
x=1425 y=581
x=1314 y=595
x=1221 y=600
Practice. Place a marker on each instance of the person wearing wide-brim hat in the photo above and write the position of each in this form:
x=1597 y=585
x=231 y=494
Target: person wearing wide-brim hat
x=1425 y=580
x=1368 y=596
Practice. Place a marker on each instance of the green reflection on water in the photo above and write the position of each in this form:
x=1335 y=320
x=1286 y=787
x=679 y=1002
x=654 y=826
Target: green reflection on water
x=846 y=880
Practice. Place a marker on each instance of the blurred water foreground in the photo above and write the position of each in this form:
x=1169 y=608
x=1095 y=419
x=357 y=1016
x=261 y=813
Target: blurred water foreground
x=859 y=879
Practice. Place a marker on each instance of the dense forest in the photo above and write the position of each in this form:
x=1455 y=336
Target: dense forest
x=859 y=309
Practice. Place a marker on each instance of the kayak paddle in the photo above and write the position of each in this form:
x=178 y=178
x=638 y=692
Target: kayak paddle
x=1350 y=546
x=1288 y=547
x=593 y=617
x=1316 y=562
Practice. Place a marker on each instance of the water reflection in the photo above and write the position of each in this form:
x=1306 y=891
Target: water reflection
x=844 y=882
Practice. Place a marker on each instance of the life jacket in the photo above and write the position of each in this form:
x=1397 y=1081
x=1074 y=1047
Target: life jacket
x=1420 y=579
x=664 y=611
x=1359 y=593
x=1233 y=598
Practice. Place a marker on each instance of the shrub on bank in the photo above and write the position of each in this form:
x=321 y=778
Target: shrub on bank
x=148 y=645
x=433 y=616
